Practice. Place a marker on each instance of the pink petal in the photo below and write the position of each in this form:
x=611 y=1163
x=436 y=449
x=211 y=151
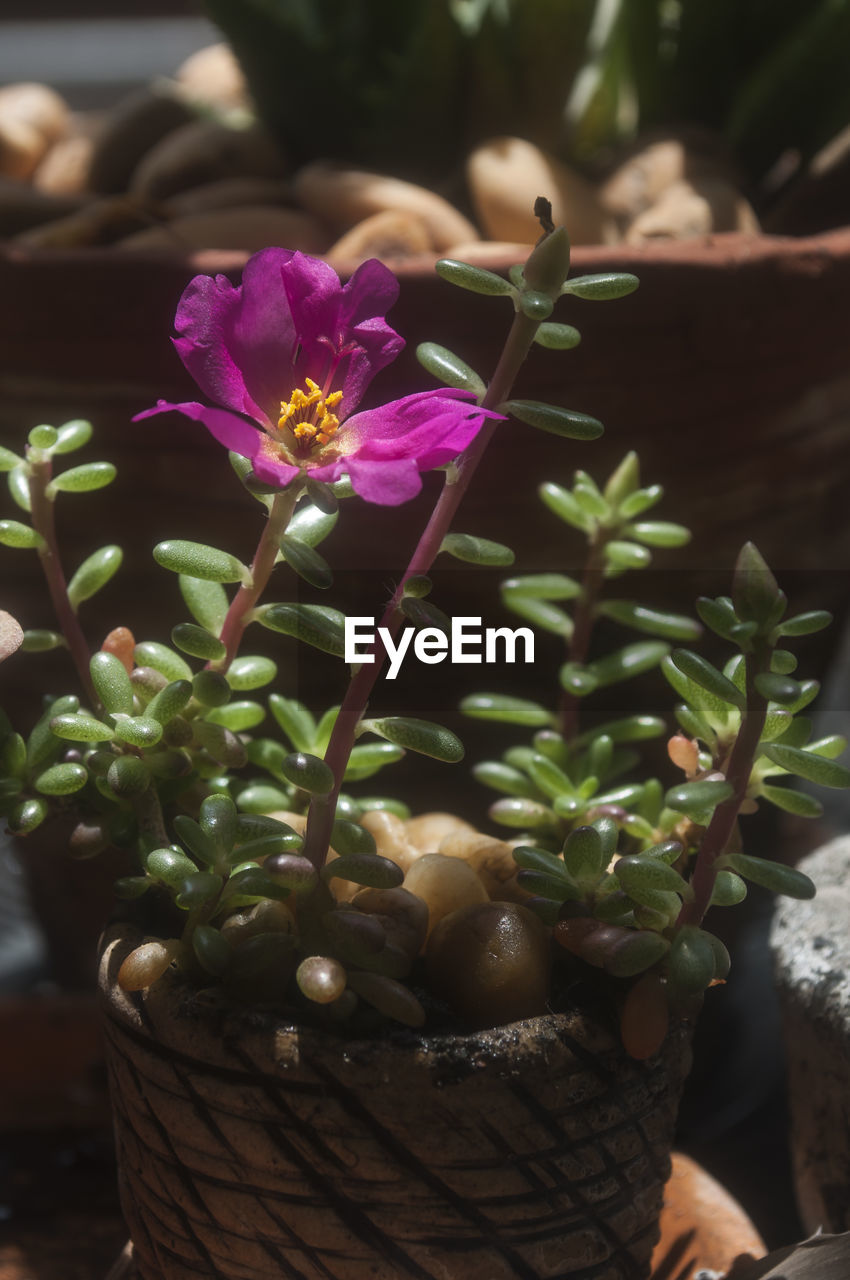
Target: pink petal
x=386 y=483
x=231 y=431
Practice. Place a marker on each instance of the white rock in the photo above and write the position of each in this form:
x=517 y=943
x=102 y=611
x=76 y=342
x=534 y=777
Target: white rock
x=212 y=77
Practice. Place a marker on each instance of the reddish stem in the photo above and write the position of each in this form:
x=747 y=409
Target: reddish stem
x=719 y=831
x=322 y=810
x=261 y=568
x=43 y=521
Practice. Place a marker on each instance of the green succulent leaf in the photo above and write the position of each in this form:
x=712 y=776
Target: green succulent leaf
x=557 y=337
x=205 y=600
x=367 y=869
x=660 y=533
x=562 y=502
x=310 y=524
x=627 y=662
x=72 y=435
x=195 y=560
x=641 y=500
x=554 y=420
x=9 y=460
x=541 y=613
x=472 y=550
x=295 y=721
x=111 y=683
x=702 y=673
x=541 y=586
x=15 y=534
x=169 y=702
x=138 y=731
x=94 y=573
x=418 y=735
x=506 y=709
x=798 y=802
x=805 y=624
x=806 y=764
x=620 y=555
x=601 y=286
x=239 y=717
x=670 y=626
x=83 y=479
x=448 y=368
x=368 y=757
x=772 y=875
x=149 y=653
x=696 y=799
x=197 y=642
x=504 y=778
x=642 y=876
x=61 y=779
x=80 y=728
x=518 y=812
x=306 y=562
x=313 y=624
x=777 y=688
x=476 y=279
x=19 y=486
x=728 y=890
x=41 y=641
x=308 y=773
x=691 y=965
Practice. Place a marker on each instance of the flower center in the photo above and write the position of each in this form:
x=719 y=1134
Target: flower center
x=309 y=415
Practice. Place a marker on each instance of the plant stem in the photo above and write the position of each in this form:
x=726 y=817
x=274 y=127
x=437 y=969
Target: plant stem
x=261 y=567
x=43 y=521
x=722 y=825
x=320 y=817
x=583 y=619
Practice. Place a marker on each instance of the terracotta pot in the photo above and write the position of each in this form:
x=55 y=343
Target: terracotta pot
x=811 y=950
x=249 y=1148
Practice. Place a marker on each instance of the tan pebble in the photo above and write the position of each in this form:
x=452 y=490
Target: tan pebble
x=204 y=151
x=133 y=126
x=387 y=235
x=248 y=228
x=37 y=106
x=444 y=884
x=342 y=197
x=506 y=175
x=489 y=253
x=641 y=179
x=228 y=193
x=212 y=77
x=686 y=211
x=146 y=963
x=22 y=148
x=390 y=834
x=492 y=860
x=403 y=914
x=427 y=830
x=65 y=168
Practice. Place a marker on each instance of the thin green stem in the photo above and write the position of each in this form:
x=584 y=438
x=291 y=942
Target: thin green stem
x=322 y=810
x=584 y=617
x=43 y=521
x=719 y=831
x=247 y=596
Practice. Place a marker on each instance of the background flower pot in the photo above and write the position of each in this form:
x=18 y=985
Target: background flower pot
x=812 y=959
x=249 y=1148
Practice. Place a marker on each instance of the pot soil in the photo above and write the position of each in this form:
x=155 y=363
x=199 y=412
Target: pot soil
x=250 y=1149
x=811 y=948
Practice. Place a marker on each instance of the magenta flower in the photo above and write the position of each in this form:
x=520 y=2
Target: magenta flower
x=287 y=356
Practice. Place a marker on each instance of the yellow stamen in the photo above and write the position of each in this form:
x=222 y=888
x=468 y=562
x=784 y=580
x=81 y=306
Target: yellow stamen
x=313 y=420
